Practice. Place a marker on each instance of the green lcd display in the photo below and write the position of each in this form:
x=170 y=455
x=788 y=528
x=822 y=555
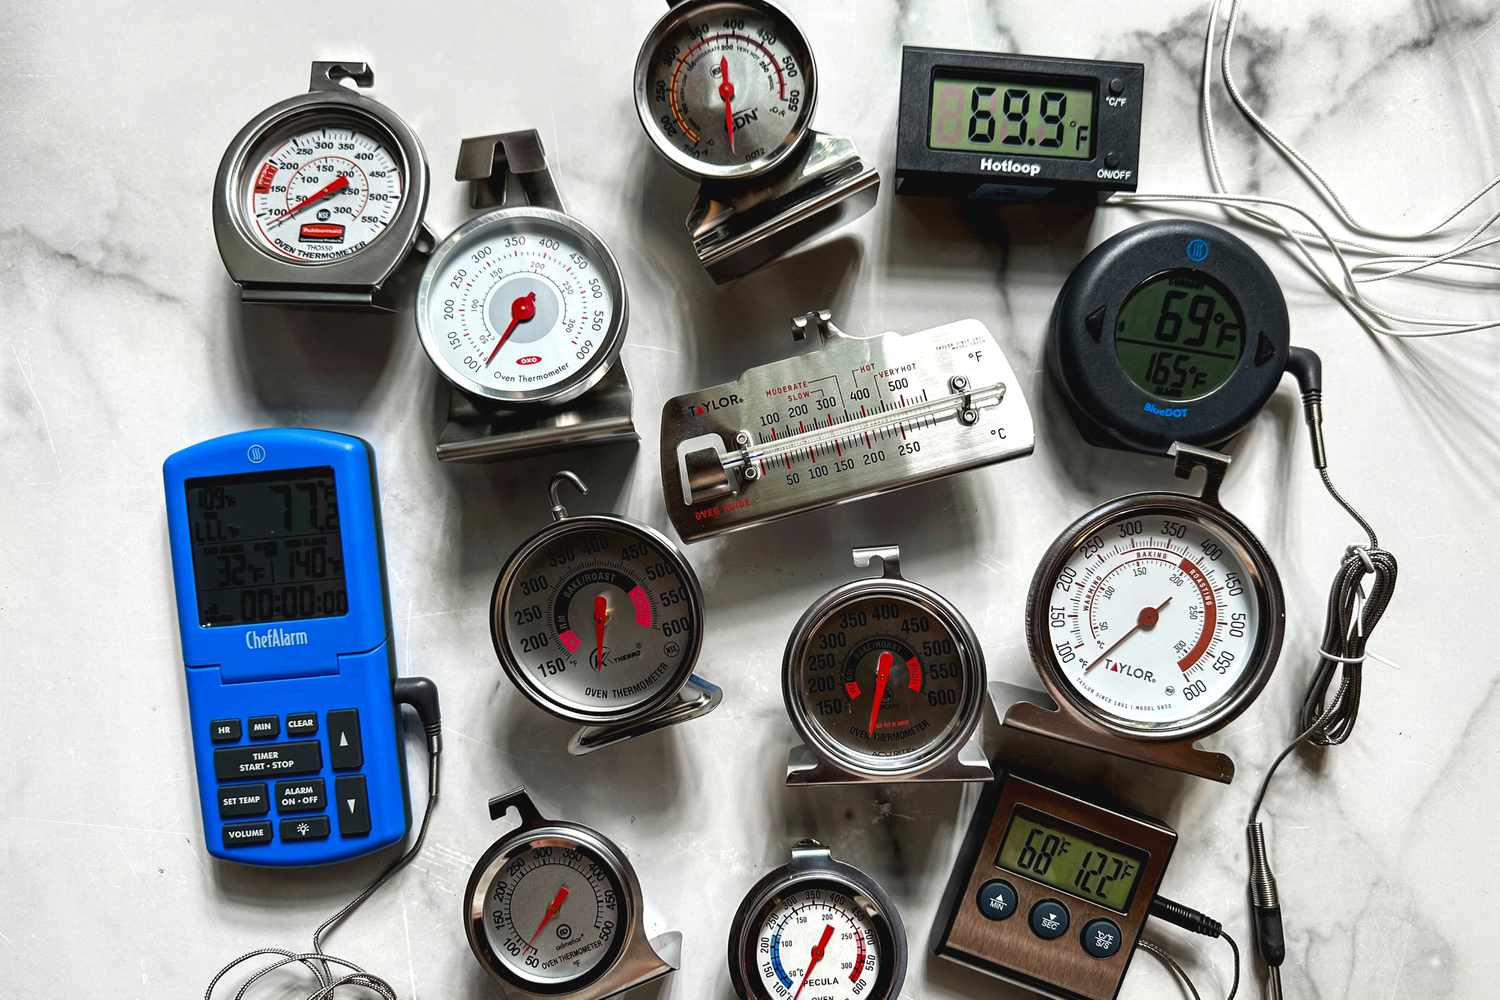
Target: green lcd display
x=1179 y=335
x=1061 y=855
x=1012 y=116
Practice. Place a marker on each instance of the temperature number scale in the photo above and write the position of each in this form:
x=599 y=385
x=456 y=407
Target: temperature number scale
x=817 y=929
x=554 y=909
x=856 y=417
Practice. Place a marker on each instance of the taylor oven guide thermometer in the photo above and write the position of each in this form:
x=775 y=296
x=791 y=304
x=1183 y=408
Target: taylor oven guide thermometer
x=853 y=418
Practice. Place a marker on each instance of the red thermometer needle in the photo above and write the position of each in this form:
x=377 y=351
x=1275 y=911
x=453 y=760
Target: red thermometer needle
x=882 y=678
x=522 y=309
x=726 y=91
x=553 y=908
x=332 y=187
x=601 y=619
x=817 y=956
x=1146 y=620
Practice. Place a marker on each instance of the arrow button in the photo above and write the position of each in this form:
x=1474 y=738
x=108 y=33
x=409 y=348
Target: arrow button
x=345 y=752
x=354 y=805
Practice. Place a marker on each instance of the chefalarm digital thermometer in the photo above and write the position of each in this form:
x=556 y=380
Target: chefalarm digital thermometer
x=286 y=641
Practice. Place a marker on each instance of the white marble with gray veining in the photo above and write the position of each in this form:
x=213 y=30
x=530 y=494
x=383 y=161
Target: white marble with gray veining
x=121 y=340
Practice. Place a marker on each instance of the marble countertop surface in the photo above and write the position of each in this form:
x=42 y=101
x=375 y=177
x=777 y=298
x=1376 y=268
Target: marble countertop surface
x=122 y=340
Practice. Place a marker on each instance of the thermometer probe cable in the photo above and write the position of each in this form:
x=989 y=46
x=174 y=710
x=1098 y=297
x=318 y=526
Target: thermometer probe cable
x=421 y=694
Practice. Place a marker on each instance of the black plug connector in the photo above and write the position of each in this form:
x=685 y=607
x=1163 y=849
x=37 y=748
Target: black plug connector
x=1265 y=909
x=1185 y=917
x=422 y=695
x=1307 y=368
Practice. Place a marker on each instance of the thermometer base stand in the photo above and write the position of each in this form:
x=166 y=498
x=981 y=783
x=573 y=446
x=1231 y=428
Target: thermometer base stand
x=697 y=698
x=804 y=768
x=737 y=228
x=480 y=432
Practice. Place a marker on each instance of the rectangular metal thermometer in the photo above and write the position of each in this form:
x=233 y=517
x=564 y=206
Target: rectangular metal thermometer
x=856 y=417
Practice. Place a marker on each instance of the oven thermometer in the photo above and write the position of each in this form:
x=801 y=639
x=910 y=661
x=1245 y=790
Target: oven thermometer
x=884 y=680
x=599 y=620
x=554 y=909
x=1154 y=619
x=817 y=929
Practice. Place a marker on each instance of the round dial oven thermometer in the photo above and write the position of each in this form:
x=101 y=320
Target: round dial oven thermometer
x=319 y=198
x=554 y=909
x=599 y=620
x=884 y=680
x=817 y=929
x=1156 y=619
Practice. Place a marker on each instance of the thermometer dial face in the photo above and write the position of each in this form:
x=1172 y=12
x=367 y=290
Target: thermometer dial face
x=727 y=87
x=886 y=678
x=598 y=618
x=319 y=191
x=554 y=914
x=817 y=940
x=1155 y=619
x=522 y=305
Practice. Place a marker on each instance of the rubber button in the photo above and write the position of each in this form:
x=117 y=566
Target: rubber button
x=1101 y=938
x=1111 y=160
x=265 y=727
x=310 y=828
x=224 y=730
x=306 y=795
x=352 y=801
x=236 y=801
x=1094 y=324
x=1116 y=86
x=248 y=834
x=1049 y=920
x=345 y=751
x=997 y=899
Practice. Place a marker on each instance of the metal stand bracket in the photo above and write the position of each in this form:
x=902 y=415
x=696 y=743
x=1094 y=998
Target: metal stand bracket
x=696 y=698
x=478 y=433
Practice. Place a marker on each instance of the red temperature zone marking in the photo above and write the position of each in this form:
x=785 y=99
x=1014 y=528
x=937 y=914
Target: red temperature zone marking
x=570 y=640
x=642 y=605
x=264 y=178
x=1210 y=614
x=859 y=956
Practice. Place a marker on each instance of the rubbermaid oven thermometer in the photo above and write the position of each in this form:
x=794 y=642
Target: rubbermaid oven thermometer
x=884 y=681
x=1155 y=619
x=553 y=909
x=523 y=311
x=817 y=929
x=319 y=198
x=599 y=620
x=726 y=89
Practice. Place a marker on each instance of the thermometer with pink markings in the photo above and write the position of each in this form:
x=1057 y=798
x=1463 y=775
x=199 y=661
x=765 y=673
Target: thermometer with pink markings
x=599 y=620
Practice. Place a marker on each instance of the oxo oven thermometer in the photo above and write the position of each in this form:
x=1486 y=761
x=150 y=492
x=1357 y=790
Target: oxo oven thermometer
x=599 y=620
x=817 y=929
x=1154 y=619
x=857 y=417
x=553 y=909
x=884 y=681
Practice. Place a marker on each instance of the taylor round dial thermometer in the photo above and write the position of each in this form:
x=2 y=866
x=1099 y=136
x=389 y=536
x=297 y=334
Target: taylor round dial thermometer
x=319 y=198
x=726 y=91
x=599 y=620
x=553 y=909
x=817 y=929
x=1154 y=619
x=523 y=311
x=884 y=680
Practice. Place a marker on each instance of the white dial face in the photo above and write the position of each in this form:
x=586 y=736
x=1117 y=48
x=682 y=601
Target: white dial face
x=518 y=306
x=817 y=944
x=1153 y=619
x=321 y=192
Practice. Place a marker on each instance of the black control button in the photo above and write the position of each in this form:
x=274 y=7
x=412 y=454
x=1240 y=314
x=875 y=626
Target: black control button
x=265 y=727
x=302 y=724
x=239 y=763
x=1049 y=919
x=1094 y=323
x=997 y=899
x=243 y=800
x=345 y=751
x=353 y=804
x=1264 y=350
x=1116 y=86
x=224 y=730
x=306 y=828
x=1111 y=160
x=248 y=834
x=307 y=795
x=1101 y=938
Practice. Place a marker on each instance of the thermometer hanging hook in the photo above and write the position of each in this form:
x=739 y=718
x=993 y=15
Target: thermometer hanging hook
x=888 y=555
x=558 y=510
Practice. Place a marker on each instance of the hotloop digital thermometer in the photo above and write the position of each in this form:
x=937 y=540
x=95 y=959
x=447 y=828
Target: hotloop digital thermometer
x=286 y=637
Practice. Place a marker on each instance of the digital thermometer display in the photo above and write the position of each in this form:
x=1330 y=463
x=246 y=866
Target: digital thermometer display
x=1180 y=335
x=1065 y=857
x=266 y=547
x=1047 y=118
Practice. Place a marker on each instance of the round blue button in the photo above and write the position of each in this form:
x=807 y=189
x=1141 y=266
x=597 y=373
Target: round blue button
x=1101 y=938
x=997 y=899
x=1197 y=250
x=1049 y=920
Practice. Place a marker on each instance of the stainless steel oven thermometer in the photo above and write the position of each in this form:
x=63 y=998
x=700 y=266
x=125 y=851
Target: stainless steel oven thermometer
x=553 y=909
x=856 y=417
x=884 y=680
x=523 y=311
x=820 y=923
x=599 y=620
x=726 y=90
x=1154 y=620
x=319 y=199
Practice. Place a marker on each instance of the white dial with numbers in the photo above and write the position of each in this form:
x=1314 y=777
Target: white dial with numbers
x=321 y=192
x=522 y=305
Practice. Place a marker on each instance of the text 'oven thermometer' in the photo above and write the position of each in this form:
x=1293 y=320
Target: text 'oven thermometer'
x=726 y=89
x=319 y=199
x=553 y=909
x=817 y=929
x=599 y=620
x=857 y=417
x=884 y=680
x=1154 y=619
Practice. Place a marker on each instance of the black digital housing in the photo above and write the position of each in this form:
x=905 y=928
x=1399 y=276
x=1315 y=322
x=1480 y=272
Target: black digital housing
x=1009 y=175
